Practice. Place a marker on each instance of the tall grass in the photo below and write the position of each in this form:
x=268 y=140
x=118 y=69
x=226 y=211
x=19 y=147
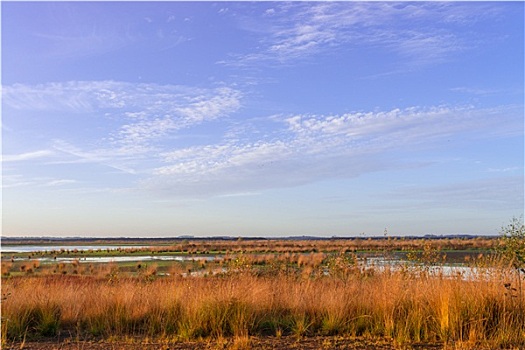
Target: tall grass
x=396 y=305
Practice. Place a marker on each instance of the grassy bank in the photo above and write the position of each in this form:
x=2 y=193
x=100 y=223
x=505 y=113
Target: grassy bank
x=405 y=306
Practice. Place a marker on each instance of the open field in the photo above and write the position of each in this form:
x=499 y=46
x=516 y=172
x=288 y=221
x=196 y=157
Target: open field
x=267 y=294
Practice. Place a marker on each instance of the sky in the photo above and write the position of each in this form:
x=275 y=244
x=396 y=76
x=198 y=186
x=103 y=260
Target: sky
x=161 y=119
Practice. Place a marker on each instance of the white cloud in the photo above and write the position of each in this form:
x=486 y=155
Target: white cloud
x=148 y=111
x=203 y=107
x=417 y=32
x=408 y=126
x=61 y=182
x=474 y=91
x=240 y=194
x=242 y=155
x=198 y=162
x=505 y=170
x=165 y=115
x=27 y=156
x=15 y=180
x=110 y=157
x=269 y=12
x=309 y=148
x=87 y=96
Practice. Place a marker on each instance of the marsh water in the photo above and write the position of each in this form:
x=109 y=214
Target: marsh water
x=8 y=250
x=377 y=261
x=42 y=248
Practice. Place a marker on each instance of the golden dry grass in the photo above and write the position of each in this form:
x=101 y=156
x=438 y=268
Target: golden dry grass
x=278 y=288
x=401 y=306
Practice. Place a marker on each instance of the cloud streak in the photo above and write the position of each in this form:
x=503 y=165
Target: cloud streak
x=298 y=31
x=60 y=182
x=243 y=155
x=135 y=99
x=309 y=148
x=147 y=111
x=27 y=156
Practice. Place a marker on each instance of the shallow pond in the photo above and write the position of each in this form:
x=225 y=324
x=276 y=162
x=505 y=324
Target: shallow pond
x=380 y=263
x=42 y=248
x=445 y=270
x=109 y=259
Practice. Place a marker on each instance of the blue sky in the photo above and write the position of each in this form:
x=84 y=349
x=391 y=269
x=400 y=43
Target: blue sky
x=261 y=119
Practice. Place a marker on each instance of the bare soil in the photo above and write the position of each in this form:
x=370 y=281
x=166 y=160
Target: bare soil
x=254 y=343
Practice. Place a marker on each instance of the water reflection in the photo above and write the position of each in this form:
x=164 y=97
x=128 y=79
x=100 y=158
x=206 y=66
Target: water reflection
x=366 y=262
x=109 y=259
x=44 y=248
x=436 y=270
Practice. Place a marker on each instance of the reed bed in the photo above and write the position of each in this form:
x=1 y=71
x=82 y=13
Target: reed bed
x=276 y=246
x=398 y=305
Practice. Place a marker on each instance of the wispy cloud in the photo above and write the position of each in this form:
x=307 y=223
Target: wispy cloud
x=27 y=156
x=400 y=127
x=10 y=180
x=240 y=194
x=110 y=157
x=15 y=180
x=474 y=90
x=301 y=30
x=134 y=99
x=165 y=115
x=72 y=96
x=308 y=148
x=61 y=182
x=147 y=111
x=505 y=170
x=243 y=155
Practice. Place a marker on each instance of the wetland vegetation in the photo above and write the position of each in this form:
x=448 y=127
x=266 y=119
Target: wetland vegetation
x=384 y=289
